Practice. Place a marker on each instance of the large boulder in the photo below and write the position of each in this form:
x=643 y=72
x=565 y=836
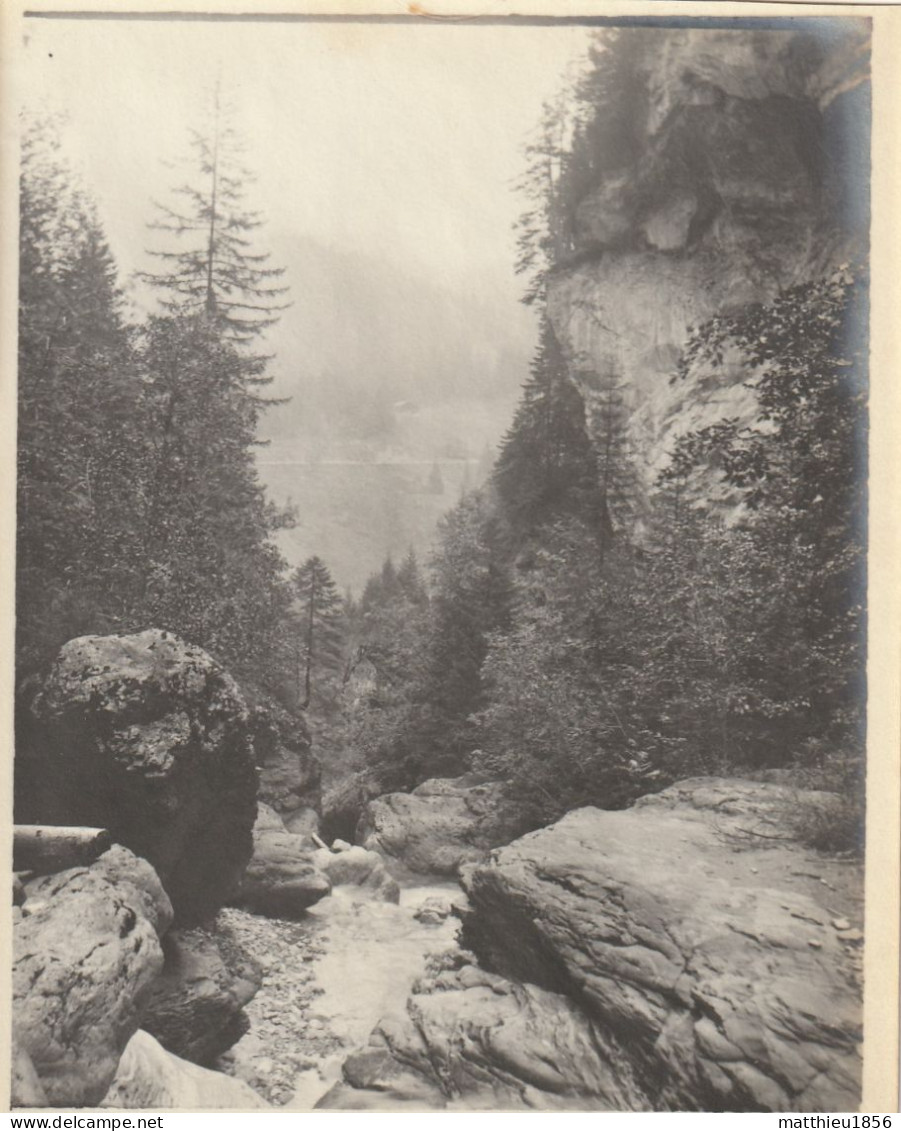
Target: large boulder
x=352 y=866
x=281 y=879
x=698 y=935
x=149 y=1077
x=343 y=804
x=148 y=737
x=196 y=1009
x=443 y=823
x=290 y=777
x=86 y=955
x=472 y=1037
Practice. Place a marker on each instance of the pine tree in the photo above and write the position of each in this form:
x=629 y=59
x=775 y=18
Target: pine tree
x=81 y=440
x=540 y=238
x=215 y=270
x=608 y=424
x=547 y=466
x=209 y=568
x=471 y=598
x=319 y=650
x=410 y=580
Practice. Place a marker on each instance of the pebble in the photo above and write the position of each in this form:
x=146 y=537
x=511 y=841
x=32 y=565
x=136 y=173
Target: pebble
x=284 y=1039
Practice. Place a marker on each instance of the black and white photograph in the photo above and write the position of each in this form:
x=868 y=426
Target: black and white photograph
x=443 y=528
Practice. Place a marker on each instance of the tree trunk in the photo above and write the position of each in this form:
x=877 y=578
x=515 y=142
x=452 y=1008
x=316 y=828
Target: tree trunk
x=52 y=848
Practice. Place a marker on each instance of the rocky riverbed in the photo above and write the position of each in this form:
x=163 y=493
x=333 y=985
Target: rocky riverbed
x=328 y=979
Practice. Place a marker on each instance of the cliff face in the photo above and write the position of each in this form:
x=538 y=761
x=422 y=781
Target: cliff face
x=750 y=175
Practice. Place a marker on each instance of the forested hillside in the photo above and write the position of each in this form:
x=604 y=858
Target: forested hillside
x=623 y=604
x=665 y=574
x=138 y=499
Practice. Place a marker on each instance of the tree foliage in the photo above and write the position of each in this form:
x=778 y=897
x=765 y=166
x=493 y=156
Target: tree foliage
x=139 y=502
x=213 y=267
x=320 y=629
x=547 y=466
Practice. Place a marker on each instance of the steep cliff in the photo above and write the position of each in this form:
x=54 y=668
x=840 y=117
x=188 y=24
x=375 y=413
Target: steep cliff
x=747 y=172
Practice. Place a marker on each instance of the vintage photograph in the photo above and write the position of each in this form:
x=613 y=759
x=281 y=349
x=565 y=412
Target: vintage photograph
x=441 y=562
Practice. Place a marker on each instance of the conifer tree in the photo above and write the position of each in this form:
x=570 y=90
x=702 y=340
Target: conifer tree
x=320 y=604
x=214 y=268
x=80 y=442
x=547 y=466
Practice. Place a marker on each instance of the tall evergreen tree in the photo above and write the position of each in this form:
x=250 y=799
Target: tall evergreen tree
x=319 y=651
x=547 y=467
x=608 y=425
x=81 y=440
x=214 y=268
x=540 y=240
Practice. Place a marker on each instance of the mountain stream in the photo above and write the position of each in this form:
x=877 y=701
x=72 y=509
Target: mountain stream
x=327 y=981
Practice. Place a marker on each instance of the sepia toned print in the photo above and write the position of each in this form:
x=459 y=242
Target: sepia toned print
x=441 y=564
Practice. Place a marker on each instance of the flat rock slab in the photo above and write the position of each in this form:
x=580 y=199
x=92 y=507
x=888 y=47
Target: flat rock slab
x=443 y=823
x=697 y=935
x=281 y=879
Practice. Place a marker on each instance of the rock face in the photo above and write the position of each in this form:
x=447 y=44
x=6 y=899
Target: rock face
x=352 y=865
x=471 y=1038
x=741 y=182
x=281 y=879
x=343 y=805
x=443 y=823
x=718 y=955
x=196 y=1006
x=289 y=771
x=150 y=1077
x=146 y=736
x=87 y=954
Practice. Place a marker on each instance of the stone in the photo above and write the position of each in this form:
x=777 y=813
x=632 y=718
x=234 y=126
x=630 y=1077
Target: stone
x=443 y=823
x=360 y=868
x=281 y=879
x=26 y=1088
x=472 y=1038
x=432 y=911
x=303 y=822
x=196 y=1009
x=605 y=217
x=652 y=920
x=86 y=956
x=148 y=737
x=343 y=803
x=290 y=775
x=149 y=1077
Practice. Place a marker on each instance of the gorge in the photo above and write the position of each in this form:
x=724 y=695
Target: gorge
x=570 y=821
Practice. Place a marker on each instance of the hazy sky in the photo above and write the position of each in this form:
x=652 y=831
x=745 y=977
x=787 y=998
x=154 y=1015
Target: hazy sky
x=401 y=142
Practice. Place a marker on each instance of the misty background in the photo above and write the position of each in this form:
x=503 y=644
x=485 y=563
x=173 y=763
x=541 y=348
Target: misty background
x=389 y=196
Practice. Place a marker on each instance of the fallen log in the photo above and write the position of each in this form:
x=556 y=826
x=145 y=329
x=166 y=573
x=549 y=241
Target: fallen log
x=52 y=848
x=319 y=842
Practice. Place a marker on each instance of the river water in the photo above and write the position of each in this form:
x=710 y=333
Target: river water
x=329 y=978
